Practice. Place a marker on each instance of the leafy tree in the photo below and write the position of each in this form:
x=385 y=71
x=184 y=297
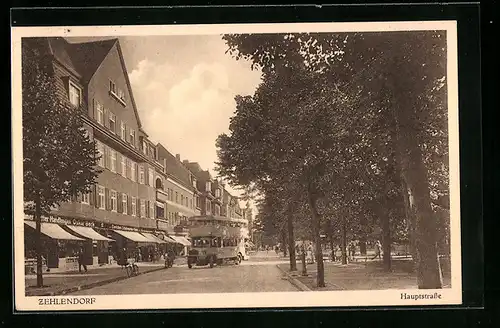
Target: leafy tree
x=59 y=158
x=397 y=79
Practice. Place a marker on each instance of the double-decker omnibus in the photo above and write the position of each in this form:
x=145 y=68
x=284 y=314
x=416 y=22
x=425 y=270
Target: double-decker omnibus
x=216 y=240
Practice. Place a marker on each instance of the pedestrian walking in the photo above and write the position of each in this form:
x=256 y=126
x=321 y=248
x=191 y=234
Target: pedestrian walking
x=81 y=261
x=378 y=250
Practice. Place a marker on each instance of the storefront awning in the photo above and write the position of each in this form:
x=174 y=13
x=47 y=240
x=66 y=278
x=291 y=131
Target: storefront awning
x=134 y=236
x=89 y=233
x=153 y=238
x=181 y=240
x=53 y=231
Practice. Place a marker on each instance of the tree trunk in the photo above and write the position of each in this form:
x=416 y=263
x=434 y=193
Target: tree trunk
x=330 y=238
x=291 y=244
x=38 y=244
x=415 y=176
x=386 y=240
x=317 y=240
x=344 y=240
x=285 y=242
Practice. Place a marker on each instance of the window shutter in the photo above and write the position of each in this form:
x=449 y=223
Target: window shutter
x=98 y=199
x=148 y=209
x=129 y=206
x=119 y=203
x=94 y=110
x=106 y=199
x=106 y=157
x=106 y=117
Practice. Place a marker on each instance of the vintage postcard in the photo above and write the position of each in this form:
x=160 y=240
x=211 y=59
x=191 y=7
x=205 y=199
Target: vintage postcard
x=236 y=166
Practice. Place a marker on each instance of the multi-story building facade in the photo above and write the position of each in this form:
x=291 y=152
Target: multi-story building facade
x=209 y=190
x=124 y=205
x=181 y=194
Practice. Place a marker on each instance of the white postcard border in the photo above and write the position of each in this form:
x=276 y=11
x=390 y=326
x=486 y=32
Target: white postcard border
x=449 y=296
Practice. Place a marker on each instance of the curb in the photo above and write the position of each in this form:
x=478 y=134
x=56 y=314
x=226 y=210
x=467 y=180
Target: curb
x=294 y=281
x=94 y=284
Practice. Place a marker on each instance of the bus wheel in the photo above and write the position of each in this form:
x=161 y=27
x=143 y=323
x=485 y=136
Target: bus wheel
x=190 y=265
x=238 y=259
x=212 y=262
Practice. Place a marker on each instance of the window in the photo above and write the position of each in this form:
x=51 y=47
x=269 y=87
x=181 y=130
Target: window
x=160 y=212
x=151 y=177
x=121 y=94
x=112 y=122
x=100 y=113
x=217 y=192
x=182 y=199
x=208 y=207
x=190 y=203
x=141 y=174
x=133 y=206
x=125 y=203
x=197 y=199
x=194 y=182
x=143 y=208
x=144 y=147
x=123 y=131
x=176 y=197
x=101 y=198
x=132 y=170
x=114 y=204
x=124 y=166
x=75 y=94
x=112 y=87
x=208 y=186
x=151 y=210
x=86 y=198
x=170 y=194
x=132 y=137
x=100 y=150
x=113 y=160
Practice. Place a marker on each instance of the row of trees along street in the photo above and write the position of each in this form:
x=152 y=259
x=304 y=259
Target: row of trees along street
x=59 y=157
x=346 y=132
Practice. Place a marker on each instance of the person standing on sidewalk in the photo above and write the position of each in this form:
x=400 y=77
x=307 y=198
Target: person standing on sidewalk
x=378 y=250
x=81 y=261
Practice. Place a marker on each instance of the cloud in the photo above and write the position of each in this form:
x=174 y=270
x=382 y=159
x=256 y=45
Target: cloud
x=187 y=109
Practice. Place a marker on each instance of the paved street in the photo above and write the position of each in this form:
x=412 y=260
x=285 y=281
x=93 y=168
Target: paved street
x=259 y=274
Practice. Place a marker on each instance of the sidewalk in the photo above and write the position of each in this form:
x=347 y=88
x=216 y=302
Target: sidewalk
x=60 y=283
x=368 y=275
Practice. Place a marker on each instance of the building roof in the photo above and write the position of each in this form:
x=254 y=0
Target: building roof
x=175 y=167
x=84 y=58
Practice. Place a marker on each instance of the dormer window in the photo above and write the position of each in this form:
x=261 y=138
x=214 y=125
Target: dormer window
x=75 y=94
x=208 y=186
x=112 y=87
x=117 y=93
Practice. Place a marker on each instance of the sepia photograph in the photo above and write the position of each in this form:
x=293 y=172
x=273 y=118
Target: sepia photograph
x=229 y=166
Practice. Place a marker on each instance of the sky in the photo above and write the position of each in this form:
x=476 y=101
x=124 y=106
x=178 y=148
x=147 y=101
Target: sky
x=184 y=88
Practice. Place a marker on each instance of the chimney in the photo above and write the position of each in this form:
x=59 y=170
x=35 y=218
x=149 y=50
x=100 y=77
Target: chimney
x=178 y=156
x=185 y=161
